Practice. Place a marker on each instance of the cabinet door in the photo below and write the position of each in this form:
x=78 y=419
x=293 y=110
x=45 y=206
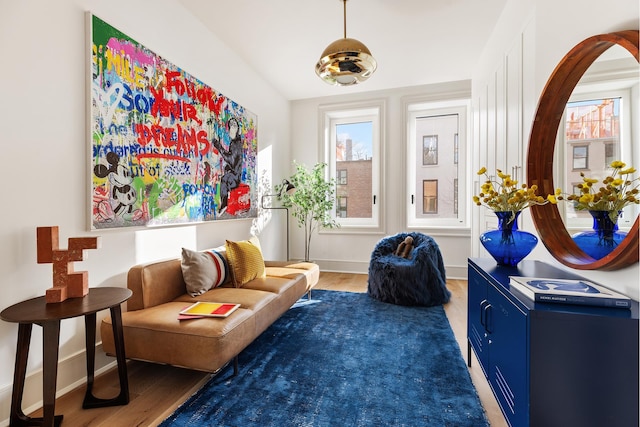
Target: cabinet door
x=476 y=314
x=508 y=362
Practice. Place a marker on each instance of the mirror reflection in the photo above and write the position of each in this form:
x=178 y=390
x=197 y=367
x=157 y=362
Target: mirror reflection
x=597 y=128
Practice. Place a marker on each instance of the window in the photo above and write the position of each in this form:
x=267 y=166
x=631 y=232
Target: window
x=351 y=136
x=455 y=149
x=455 y=196
x=430 y=150
x=341 y=207
x=341 y=177
x=430 y=196
x=436 y=164
x=611 y=153
x=596 y=132
x=580 y=157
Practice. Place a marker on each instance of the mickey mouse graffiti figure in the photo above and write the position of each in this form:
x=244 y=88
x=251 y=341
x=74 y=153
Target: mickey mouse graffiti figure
x=120 y=179
x=233 y=159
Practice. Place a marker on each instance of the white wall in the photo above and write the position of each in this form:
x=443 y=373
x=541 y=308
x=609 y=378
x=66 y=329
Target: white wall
x=44 y=157
x=542 y=31
x=343 y=251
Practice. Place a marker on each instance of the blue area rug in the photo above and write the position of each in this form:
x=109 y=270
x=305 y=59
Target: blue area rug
x=343 y=359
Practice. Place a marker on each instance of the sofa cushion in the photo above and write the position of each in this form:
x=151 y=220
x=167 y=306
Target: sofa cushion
x=155 y=334
x=245 y=259
x=247 y=298
x=290 y=269
x=203 y=270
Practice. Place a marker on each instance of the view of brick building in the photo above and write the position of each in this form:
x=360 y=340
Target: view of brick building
x=353 y=179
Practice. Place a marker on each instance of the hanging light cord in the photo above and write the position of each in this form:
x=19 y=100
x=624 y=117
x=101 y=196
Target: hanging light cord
x=344 y=3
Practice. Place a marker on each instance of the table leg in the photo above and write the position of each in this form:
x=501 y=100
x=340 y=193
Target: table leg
x=90 y=401
x=118 y=336
x=51 y=342
x=17 y=417
x=90 y=346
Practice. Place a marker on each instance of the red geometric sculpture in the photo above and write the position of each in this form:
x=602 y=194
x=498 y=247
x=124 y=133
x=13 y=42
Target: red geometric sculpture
x=67 y=283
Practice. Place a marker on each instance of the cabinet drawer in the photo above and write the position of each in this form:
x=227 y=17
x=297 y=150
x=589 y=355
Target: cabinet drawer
x=509 y=356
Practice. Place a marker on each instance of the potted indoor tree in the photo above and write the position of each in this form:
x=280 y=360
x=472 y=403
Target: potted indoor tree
x=311 y=200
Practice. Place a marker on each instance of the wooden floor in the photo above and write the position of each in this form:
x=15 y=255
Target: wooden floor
x=156 y=390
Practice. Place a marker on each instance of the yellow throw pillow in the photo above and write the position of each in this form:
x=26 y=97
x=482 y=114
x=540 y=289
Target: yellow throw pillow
x=246 y=262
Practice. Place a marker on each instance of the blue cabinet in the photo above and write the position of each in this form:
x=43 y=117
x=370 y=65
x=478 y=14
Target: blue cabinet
x=552 y=364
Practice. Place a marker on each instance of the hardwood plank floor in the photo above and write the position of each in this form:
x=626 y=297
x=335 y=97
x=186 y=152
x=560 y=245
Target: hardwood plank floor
x=156 y=390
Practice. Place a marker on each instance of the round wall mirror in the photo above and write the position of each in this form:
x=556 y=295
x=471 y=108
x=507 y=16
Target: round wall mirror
x=547 y=218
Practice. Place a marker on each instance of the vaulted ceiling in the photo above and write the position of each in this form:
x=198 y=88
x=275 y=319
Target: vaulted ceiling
x=415 y=42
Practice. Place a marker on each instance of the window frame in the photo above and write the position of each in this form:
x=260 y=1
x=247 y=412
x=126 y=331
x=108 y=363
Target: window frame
x=415 y=108
x=331 y=115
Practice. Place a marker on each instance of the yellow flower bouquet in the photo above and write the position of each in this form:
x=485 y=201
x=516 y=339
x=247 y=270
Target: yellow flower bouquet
x=507 y=196
x=617 y=191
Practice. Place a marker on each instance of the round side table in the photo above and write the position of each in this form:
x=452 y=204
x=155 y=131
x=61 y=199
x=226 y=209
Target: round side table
x=48 y=316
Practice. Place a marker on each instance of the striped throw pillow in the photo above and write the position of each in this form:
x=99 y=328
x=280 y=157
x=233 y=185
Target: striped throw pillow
x=203 y=270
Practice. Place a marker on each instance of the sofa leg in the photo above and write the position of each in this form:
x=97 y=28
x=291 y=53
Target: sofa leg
x=235 y=366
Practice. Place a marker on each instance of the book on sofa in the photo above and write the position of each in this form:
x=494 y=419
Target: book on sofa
x=581 y=292
x=208 y=309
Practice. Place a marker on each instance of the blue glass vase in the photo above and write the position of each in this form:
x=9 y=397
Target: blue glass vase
x=508 y=245
x=604 y=237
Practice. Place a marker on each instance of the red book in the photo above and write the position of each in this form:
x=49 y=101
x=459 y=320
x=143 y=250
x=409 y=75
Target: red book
x=207 y=309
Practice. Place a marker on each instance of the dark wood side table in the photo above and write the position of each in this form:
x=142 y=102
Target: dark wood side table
x=48 y=316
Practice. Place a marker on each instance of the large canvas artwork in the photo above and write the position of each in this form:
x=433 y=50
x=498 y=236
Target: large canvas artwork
x=165 y=147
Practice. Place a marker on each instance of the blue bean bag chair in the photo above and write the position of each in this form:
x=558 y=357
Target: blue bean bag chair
x=418 y=280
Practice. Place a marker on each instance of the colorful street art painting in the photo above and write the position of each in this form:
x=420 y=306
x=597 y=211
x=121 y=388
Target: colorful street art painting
x=165 y=147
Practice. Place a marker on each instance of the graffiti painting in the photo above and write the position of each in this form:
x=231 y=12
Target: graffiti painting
x=165 y=147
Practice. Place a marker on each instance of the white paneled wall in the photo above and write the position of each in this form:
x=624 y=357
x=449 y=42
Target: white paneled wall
x=499 y=143
x=527 y=43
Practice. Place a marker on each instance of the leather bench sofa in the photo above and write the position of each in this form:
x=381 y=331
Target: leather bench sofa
x=153 y=332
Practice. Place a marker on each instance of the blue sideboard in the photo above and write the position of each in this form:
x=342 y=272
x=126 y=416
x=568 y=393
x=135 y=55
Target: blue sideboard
x=552 y=364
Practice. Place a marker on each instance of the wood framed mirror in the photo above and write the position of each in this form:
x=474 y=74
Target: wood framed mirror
x=540 y=156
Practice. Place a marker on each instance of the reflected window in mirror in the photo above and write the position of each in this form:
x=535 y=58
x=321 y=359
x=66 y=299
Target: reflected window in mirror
x=597 y=129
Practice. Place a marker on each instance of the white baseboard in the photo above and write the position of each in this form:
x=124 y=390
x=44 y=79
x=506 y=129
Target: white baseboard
x=72 y=373
x=362 y=267
x=358 y=267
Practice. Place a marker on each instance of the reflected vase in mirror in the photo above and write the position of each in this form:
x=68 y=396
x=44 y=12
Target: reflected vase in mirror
x=508 y=245
x=604 y=237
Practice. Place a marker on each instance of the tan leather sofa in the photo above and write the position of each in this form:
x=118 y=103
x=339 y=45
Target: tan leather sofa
x=152 y=331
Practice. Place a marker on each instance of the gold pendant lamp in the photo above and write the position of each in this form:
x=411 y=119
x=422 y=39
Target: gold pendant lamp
x=346 y=61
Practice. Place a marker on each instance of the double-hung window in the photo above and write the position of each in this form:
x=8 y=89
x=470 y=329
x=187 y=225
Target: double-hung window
x=351 y=136
x=436 y=164
x=596 y=132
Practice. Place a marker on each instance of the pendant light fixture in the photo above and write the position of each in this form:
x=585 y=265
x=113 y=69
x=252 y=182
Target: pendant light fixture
x=346 y=61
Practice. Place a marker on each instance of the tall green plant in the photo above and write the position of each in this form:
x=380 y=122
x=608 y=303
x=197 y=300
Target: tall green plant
x=312 y=202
